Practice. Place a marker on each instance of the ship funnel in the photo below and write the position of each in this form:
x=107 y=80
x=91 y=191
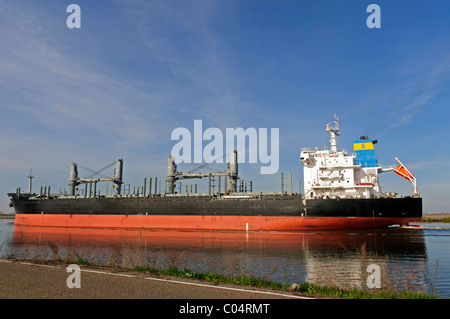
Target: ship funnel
x=118 y=172
x=365 y=152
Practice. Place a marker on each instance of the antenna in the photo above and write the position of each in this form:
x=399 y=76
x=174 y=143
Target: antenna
x=334 y=131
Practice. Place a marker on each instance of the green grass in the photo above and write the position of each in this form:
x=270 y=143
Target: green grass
x=304 y=288
x=240 y=280
x=435 y=219
x=81 y=261
x=359 y=294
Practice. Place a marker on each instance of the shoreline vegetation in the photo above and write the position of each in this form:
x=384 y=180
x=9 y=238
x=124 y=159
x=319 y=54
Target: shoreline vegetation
x=7 y=216
x=305 y=289
x=436 y=218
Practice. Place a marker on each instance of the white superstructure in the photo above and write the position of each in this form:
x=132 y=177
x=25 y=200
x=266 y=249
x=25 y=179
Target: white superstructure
x=335 y=173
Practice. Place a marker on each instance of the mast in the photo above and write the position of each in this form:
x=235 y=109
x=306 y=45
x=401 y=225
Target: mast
x=334 y=131
x=30 y=182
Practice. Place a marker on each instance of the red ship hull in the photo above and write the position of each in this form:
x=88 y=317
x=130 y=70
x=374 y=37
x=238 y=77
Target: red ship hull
x=202 y=222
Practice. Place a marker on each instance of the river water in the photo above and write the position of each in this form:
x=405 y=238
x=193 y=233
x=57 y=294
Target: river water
x=415 y=259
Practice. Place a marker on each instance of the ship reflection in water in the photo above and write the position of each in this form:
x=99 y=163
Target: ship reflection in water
x=332 y=258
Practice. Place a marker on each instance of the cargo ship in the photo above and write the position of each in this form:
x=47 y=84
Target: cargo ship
x=341 y=191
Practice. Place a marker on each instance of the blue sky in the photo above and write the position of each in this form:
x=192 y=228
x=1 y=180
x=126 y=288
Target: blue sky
x=136 y=70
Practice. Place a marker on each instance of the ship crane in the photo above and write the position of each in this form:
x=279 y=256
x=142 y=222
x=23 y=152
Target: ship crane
x=173 y=175
x=116 y=179
x=402 y=171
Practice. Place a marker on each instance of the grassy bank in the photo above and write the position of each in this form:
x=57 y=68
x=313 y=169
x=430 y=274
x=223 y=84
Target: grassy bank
x=303 y=288
x=7 y=216
x=436 y=218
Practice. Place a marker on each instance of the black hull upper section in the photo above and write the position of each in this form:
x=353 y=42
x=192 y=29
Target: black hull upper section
x=371 y=207
x=267 y=205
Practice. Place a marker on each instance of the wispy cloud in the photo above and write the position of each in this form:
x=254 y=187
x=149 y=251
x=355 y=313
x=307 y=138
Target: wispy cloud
x=181 y=36
x=49 y=87
x=418 y=87
x=63 y=100
x=438 y=165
